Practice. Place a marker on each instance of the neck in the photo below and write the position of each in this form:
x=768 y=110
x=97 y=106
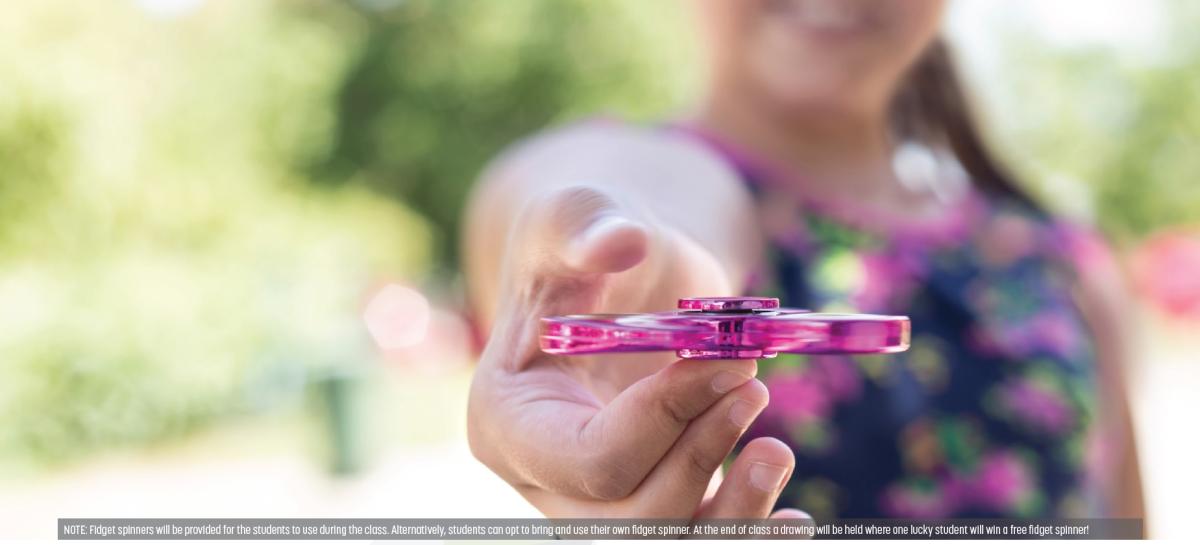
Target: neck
x=837 y=153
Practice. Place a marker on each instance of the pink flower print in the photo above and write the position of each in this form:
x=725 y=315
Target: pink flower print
x=996 y=335
x=1036 y=405
x=797 y=398
x=1054 y=332
x=803 y=401
x=957 y=492
x=1003 y=482
x=839 y=376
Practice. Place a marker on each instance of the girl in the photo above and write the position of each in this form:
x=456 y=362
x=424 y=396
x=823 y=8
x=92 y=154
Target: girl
x=832 y=161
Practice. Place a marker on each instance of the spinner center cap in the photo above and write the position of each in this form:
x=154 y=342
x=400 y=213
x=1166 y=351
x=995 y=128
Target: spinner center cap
x=728 y=304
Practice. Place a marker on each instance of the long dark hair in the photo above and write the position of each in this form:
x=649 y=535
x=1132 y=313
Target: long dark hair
x=932 y=106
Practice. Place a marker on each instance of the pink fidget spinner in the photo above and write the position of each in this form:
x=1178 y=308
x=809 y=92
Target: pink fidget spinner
x=726 y=328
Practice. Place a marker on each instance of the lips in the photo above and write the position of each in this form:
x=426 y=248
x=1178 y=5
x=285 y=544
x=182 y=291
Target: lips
x=825 y=16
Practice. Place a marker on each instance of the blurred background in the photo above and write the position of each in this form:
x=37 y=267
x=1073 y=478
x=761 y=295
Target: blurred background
x=207 y=208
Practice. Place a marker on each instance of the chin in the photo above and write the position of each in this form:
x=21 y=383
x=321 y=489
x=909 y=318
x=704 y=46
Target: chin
x=807 y=95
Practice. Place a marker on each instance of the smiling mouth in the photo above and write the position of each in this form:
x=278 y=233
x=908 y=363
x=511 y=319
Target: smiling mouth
x=823 y=16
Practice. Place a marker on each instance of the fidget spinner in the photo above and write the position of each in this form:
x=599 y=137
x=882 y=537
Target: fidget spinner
x=726 y=328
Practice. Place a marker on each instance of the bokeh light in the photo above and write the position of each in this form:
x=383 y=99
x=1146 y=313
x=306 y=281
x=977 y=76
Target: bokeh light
x=397 y=317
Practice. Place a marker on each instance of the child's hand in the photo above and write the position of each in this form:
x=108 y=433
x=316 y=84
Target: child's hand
x=631 y=436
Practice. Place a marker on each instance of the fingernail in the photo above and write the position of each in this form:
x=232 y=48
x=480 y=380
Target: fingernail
x=577 y=249
x=743 y=412
x=726 y=381
x=767 y=477
x=597 y=228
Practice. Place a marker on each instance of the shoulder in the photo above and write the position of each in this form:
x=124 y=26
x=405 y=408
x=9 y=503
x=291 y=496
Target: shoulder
x=1100 y=283
x=1073 y=242
x=1075 y=246
x=1096 y=276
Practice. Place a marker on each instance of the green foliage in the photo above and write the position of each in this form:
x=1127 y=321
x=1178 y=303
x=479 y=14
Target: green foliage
x=160 y=265
x=439 y=86
x=1090 y=124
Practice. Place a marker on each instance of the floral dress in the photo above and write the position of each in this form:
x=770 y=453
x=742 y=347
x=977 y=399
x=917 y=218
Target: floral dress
x=988 y=414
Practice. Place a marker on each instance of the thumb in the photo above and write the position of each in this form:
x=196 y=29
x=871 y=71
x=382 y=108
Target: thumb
x=564 y=246
x=585 y=230
x=610 y=243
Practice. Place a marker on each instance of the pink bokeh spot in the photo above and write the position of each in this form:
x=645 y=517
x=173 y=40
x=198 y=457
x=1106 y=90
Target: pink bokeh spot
x=1167 y=271
x=397 y=317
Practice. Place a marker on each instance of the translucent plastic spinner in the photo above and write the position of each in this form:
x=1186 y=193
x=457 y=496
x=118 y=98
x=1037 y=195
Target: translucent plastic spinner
x=726 y=328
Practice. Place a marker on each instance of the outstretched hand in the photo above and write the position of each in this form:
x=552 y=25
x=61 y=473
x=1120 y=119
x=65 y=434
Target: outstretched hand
x=630 y=436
